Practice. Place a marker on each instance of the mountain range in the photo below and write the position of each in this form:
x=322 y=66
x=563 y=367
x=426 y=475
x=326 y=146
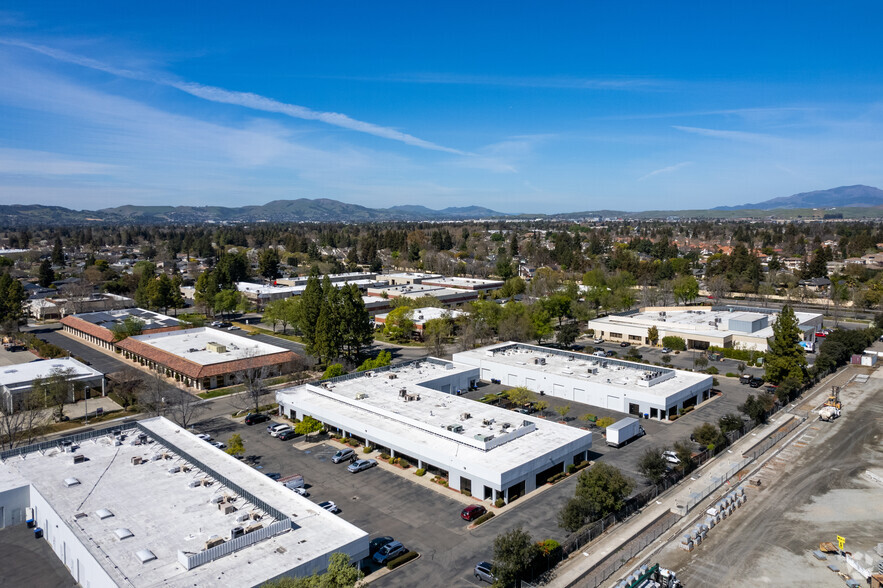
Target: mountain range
x=862 y=201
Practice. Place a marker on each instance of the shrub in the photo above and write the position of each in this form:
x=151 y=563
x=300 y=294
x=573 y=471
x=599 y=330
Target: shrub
x=465 y=492
x=731 y=375
x=367 y=449
x=391 y=460
x=402 y=559
x=712 y=370
x=605 y=422
x=421 y=472
x=557 y=477
x=403 y=463
x=483 y=518
x=384 y=456
x=548 y=547
x=575 y=467
x=352 y=442
x=715 y=382
x=499 y=503
x=676 y=343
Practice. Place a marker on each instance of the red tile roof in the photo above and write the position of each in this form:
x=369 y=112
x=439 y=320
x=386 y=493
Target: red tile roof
x=103 y=333
x=197 y=371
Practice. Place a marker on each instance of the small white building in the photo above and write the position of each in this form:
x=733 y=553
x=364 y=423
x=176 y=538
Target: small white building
x=448 y=296
x=414 y=411
x=152 y=505
x=421 y=316
x=625 y=386
x=16 y=381
x=730 y=327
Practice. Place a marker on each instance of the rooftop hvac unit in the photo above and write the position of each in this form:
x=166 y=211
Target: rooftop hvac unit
x=484 y=438
x=243 y=517
x=506 y=425
x=487 y=422
x=217 y=499
x=79 y=458
x=539 y=360
x=175 y=470
x=236 y=532
x=392 y=376
x=465 y=416
x=361 y=396
x=213 y=541
x=136 y=460
x=195 y=483
x=227 y=508
x=455 y=428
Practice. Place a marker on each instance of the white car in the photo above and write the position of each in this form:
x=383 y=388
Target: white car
x=219 y=445
x=276 y=428
x=671 y=457
x=301 y=491
x=666 y=350
x=329 y=506
x=204 y=437
x=597 y=341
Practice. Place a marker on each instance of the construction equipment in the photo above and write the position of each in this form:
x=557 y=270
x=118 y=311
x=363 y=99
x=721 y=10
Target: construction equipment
x=833 y=398
x=829 y=413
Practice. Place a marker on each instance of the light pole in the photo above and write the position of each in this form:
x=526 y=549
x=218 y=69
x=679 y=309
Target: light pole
x=86 y=403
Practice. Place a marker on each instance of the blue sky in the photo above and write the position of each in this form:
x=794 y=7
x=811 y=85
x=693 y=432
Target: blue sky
x=520 y=107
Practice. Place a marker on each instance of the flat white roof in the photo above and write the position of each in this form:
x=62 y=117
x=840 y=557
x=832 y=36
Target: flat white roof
x=263 y=290
x=421 y=424
x=22 y=373
x=411 y=276
x=458 y=282
x=607 y=370
x=192 y=345
x=421 y=316
x=109 y=318
x=164 y=514
x=698 y=321
x=418 y=290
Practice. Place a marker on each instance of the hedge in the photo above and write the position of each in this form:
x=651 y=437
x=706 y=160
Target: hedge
x=483 y=518
x=402 y=559
x=740 y=354
x=420 y=472
x=731 y=375
x=557 y=477
x=575 y=467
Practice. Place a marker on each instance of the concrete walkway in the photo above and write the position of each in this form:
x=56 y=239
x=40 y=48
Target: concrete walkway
x=570 y=570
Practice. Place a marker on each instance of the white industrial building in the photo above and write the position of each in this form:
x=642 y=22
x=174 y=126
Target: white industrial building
x=414 y=411
x=729 y=327
x=16 y=381
x=629 y=387
x=152 y=505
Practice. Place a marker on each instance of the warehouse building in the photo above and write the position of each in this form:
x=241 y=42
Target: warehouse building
x=458 y=283
x=634 y=388
x=97 y=327
x=414 y=411
x=152 y=505
x=448 y=296
x=16 y=381
x=206 y=358
x=724 y=326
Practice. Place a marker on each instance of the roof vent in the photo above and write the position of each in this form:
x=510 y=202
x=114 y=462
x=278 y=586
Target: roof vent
x=103 y=513
x=71 y=482
x=145 y=555
x=123 y=533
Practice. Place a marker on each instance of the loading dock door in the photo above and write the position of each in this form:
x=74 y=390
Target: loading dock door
x=530 y=384
x=558 y=391
x=486 y=374
x=613 y=402
x=513 y=380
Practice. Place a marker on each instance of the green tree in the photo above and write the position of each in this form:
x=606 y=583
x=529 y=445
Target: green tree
x=57 y=252
x=541 y=323
x=307 y=425
x=340 y=574
x=684 y=453
x=574 y=514
x=12 y=296
x=730 y=422
x=268 y=264
x=162 y=293
x=333 y=370
x=383 y=358
x=356 y=332
x=563 y=410
x=541 y=406
x=674 y=343
x=785 y=358
x=436 y=333
x=754 y=409
x=653 y=334
x=56 y=389
x=205 y=291
x=235 y=447
x=226 y=301
x=685 y=288
x=399 y=324
x=513 y=553
x=604 y=488
x=130 y=327
x=310 y=308
x=505 y=268
x=567 y=334
x=652 y=465
x=520 y=396
x=605 y=422
x=709 y=436
x=45 y=275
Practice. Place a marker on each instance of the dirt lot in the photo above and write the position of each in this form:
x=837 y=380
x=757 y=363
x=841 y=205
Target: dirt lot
x=815 y=489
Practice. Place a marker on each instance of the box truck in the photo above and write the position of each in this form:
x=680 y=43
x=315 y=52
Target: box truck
x=623 y=431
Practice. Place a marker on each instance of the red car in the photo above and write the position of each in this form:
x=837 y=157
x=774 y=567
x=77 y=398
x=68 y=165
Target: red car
x=472 y=512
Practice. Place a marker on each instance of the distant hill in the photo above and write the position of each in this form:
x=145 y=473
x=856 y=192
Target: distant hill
x=842 y=197
x=300 y=210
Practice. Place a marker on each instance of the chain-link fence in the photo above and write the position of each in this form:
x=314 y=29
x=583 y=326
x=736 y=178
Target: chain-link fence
x=613 y=562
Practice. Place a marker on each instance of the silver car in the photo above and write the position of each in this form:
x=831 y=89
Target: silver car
x=343 y=455
x=361 y=464
x=484 y=572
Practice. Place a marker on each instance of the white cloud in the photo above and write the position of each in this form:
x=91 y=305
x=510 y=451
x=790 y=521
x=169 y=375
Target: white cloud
x=666 y=170
x=554 y=82
x=244 y=99
x=29 y=162
x=741 y=136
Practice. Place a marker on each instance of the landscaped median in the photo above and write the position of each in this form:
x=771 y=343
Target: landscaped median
x=402 y=559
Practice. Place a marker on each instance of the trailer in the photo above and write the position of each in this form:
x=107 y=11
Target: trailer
x=623 y=431
x=293 y=481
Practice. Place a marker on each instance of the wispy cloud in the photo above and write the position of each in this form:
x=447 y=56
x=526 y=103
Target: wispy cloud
x=666 y=170
x=243 y=99
x=554 y=82
x=741 y=136
x=40 y=163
